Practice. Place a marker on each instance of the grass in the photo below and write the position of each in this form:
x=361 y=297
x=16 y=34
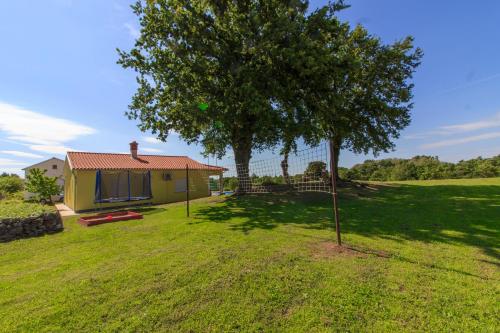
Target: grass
x=420 y=256
x=20 y=208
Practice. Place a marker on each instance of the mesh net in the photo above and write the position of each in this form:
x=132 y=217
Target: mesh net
x=139 y=184
x=113 y=185
x=122 y=185
x=304 y=171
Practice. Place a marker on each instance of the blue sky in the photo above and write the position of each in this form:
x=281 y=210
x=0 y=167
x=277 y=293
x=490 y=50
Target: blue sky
x=60 y=86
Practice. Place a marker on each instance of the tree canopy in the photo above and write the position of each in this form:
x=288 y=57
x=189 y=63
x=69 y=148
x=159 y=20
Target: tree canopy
x=228 y=55
x=362 y=98
x=251 y=74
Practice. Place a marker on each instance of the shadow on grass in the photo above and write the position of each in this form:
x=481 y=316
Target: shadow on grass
x=265 y=211
x=468 y=215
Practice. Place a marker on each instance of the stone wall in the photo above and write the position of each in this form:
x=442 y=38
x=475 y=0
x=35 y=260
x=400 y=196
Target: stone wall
x=16 y=228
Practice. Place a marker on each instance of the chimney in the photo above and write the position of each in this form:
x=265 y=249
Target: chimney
x=133 y=149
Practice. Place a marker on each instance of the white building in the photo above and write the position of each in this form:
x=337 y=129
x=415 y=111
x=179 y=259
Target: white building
x=53 y=167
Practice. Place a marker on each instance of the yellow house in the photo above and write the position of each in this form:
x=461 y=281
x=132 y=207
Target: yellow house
x=101 y=180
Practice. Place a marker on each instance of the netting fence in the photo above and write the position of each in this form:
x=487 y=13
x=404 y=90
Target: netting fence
x=307 y=170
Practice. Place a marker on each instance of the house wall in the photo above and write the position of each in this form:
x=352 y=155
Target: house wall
x=49 y=171
x=69 y=186
x=163 y=191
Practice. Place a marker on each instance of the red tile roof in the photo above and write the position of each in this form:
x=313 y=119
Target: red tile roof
x=106 y=161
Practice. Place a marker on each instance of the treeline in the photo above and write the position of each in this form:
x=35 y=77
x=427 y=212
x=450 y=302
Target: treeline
x=421 y=168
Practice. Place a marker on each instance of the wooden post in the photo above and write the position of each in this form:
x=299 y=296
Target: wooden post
x=187 y=189
x=221 y=183
x=334 y=192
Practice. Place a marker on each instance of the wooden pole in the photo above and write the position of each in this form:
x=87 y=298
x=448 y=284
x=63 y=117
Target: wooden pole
x=334 y=192
x=221 y=183
x=187 y=189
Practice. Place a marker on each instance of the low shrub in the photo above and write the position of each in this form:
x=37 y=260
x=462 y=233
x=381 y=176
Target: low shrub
x=10 y=185
x=19 y=208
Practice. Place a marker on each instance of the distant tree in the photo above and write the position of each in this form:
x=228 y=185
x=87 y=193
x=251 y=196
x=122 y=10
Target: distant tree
x=403 y=171
x=5 y=174
x=10 y=184
x=379 y=175
x=42 y=186
x=230 y=183
x=316 y=170
x=423 y=167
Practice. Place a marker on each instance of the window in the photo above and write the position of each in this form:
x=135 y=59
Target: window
x=122 y=185
x=54 y=166
x=180 y=185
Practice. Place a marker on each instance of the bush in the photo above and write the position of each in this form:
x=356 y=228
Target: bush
x=230 y=184
x=19 y=208
x=10 y=185
x=267 y=180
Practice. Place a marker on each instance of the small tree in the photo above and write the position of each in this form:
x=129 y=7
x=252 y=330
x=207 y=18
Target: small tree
x=44 y=187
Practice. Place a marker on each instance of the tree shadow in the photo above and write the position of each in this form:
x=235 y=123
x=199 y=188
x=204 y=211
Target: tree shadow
x=266 y=211
x=468 y=215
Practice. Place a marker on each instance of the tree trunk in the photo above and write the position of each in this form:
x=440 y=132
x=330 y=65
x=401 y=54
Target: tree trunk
x=242 y=149
x=284 y=168
x=337 y=143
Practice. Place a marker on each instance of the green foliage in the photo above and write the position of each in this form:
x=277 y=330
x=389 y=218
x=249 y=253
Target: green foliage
x=231 y=57
x=251 y=74
x=42 y=186
x=362 y=98
x=316 y=170
x=268 y=180
x=10 y=184
x=5 y=174
x=422 y=168
x=213 y=184
x=230 y=183
x=19 y=208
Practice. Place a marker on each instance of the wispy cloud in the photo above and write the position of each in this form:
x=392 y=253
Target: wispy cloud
x=454 y=142
x=20 y=153
x=7 y=162
x=150 y=139
x=39 y=132
x=51 y=149
x=17 y=170
x=151 y=150
x=132 y=30
x=424 y=135
x=474 y=126
x=448 y=130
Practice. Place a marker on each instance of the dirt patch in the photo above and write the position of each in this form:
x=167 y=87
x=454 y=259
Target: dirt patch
x=331 y=249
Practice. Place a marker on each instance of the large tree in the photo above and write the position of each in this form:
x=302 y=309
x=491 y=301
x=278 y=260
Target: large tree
x=361 y=99
x=220 y=73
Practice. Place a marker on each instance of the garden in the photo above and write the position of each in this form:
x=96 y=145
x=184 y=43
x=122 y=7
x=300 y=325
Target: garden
x=22 y=217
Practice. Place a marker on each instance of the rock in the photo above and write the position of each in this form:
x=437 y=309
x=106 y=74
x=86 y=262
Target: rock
x=15 y=228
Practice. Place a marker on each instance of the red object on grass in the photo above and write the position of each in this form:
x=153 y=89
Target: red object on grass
x=109 y=217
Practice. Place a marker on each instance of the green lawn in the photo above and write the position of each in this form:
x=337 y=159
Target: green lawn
x=422 y=256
